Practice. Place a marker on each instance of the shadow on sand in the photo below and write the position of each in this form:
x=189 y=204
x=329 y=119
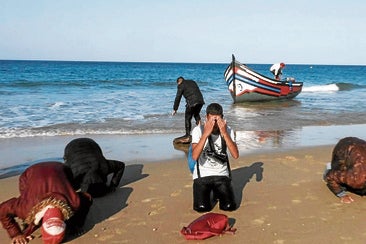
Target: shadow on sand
x=241 y=176
x=104 y=207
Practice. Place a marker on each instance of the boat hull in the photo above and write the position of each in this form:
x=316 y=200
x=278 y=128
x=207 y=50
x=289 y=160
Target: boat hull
x=246 y=85
x=258 y=97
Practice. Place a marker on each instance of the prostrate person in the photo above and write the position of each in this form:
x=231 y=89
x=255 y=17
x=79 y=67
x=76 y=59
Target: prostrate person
x=212 y=171
x=47 y=200
x=347 y=171
x=194 y=102
x=276 y=70
x=90 y=168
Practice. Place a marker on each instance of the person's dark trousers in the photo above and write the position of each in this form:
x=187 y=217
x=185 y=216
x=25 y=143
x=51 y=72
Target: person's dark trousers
x=207 y=190
x=189 y=114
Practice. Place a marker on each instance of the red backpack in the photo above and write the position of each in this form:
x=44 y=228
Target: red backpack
x=208 y=225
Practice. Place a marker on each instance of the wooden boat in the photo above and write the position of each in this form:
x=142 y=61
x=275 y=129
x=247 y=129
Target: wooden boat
x=246 y=85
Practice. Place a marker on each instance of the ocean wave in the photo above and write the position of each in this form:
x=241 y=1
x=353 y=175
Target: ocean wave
x=321 y=88
x=52 y=131
x=93 y=124
x=334 y=87
x=343 y=86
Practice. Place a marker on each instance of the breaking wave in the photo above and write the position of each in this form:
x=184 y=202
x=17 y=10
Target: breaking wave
x=334 y=87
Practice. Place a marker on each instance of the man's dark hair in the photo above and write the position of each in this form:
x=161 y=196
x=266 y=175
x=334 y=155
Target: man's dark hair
x=214 y=109
x=180 y=78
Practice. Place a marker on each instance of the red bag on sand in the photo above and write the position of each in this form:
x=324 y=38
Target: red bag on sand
x=208 y=225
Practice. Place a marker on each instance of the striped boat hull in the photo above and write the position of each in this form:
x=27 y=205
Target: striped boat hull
x=246 y=85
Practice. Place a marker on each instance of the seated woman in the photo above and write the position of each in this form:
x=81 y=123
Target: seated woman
x=347 y=171
x=90 y=168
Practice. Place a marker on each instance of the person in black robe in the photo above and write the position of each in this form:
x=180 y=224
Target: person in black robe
x=90 y=168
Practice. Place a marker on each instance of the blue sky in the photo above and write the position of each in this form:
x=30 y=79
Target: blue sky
x=261 y=31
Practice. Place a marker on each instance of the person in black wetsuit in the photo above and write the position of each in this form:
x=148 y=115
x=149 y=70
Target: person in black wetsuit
x=90 y=168
x=194 y=102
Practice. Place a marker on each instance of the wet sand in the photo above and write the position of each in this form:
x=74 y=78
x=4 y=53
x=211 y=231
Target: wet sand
x=149 y=148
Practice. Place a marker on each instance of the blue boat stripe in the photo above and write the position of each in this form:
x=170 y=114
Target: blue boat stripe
x=257 y=84
x=253 y=83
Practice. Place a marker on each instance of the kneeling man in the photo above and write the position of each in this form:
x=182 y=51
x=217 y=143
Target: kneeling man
x=211 y=175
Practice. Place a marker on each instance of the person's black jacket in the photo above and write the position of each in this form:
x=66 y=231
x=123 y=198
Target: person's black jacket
x=90 y=168
x=191 y=92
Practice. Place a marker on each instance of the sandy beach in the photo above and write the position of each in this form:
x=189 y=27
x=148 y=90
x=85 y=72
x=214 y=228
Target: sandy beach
x=281 y=197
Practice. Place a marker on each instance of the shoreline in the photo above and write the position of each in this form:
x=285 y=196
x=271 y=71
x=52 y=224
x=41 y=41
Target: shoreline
x=20 y=153
x=148 y=148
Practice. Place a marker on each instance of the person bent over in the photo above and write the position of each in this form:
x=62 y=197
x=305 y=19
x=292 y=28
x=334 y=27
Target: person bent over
x=276 y=70
x=347 y=171
x=48 y=201
x=194 y=103
x=90 y=168
x=212 y=175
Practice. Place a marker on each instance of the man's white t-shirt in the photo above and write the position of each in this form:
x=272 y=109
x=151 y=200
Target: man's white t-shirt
x=209 y=166
x=275 y=68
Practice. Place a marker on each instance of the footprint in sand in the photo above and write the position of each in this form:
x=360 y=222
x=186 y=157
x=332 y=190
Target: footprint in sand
x=105 y=237
x=291 y=158
x=259 y=221
x=346 y=238
x=137 y=222
x=148 y=200
x=156 y=205
x=297 y=201
x=272 y=207
x=309 y=157
x=156 y=211
x=176 y=193
x=311 y=197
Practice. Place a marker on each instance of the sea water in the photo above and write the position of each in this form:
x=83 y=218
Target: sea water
x=49 y=98
x=39 y=98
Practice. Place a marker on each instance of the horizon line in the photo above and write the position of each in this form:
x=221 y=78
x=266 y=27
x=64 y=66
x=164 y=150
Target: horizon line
x=172 y=62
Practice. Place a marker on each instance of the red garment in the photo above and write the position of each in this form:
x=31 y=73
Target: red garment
x=43 y=182
x=348 y=170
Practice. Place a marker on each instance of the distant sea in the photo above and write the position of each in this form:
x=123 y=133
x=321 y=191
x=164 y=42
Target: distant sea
x=49 y=98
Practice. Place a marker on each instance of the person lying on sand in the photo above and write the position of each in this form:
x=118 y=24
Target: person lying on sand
x=47 y=200
x=347 y=170
x=90 y=168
